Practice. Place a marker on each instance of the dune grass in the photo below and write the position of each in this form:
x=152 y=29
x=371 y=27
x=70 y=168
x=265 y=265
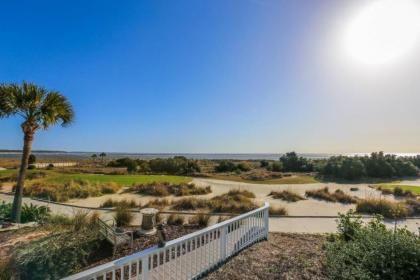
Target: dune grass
x=413 y=189
x=286 y=196
x=165 y=189
x=337 y=196
x=384 y=207
x=298 y=179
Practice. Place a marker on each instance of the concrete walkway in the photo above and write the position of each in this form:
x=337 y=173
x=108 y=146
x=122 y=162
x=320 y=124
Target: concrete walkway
x=282 y=224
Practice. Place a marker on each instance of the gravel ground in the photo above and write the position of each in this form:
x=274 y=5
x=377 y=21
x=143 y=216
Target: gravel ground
x=283 y=256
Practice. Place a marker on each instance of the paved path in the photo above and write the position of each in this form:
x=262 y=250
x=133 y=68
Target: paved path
x=285 y=224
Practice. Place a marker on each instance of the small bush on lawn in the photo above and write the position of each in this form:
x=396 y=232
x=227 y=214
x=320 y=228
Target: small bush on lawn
x=277 y=211
x=386 y=208
x=371 y=251
x=286 y=196
x=174 y=219
x=337 y=196
x=123 y=216
x=201 y=220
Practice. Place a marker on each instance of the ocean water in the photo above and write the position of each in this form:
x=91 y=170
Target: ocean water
x=233 y=156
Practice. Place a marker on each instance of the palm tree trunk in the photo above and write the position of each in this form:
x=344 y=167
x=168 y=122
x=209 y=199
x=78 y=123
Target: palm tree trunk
x=17 y=201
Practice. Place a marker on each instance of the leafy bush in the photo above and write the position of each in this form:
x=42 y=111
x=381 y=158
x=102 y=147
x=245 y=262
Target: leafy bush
x=174 y=219
x=30 y=213
x=123 y=216
x=291 y=162
x=226 y=166
x=384 y=207
x=276 y=166
x=371 y=252
x=286 y=196
x=31 y=159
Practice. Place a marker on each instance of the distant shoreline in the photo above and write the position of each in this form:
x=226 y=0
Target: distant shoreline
x=11 y=154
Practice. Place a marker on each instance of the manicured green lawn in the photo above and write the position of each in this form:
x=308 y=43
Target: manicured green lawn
x=300 y=179
x=119 y=179
x=7 y=172
x=414 y=189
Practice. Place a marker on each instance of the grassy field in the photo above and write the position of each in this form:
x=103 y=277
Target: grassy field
x=300 y=179
x=414 y=189
x=7 y=172
x=119 y=179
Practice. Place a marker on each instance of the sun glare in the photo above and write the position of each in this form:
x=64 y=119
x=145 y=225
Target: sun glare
x=383 y=31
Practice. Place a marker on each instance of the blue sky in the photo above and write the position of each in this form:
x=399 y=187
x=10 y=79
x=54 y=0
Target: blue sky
x=199 y=76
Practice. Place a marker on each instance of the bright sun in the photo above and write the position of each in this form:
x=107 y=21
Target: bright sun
x=383 y=31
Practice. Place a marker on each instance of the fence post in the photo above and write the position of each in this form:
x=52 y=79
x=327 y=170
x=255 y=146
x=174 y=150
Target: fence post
x=266 y=213
x=144 y=268
x=223 y=243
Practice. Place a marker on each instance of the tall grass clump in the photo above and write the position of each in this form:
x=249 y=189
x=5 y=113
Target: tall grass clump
x=337 y=196
x=201 y=220
x=286 y=196
x=371 y=251
x=384 y=207
x=174 y=219
x=69 y=190
x=164 y=189
x=109 y=203
x=281 y=211
x=60 y=254
x=123 y=216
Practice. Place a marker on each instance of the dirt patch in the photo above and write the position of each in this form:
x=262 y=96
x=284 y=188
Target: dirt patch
x=283 y=256
x=10 y=240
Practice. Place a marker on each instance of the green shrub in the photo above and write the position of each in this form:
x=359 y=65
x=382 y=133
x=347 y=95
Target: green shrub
x=30 y=213
x=201 y=220
x=371 y=252
x=174 y=219
x=286 y=196
x=123 y=216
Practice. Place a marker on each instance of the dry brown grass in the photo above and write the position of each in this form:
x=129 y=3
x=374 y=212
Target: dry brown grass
x=384 y=207
x=337 y=196
x=165 y=189
x=286 y=196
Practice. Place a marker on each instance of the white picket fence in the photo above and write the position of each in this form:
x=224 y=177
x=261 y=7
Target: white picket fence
x=189 y=256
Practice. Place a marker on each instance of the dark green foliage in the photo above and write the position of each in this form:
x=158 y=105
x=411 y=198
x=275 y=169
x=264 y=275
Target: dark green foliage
x=276 y=166
x=177 y=165
x=230 y=166
x=31 y=159
x=30 y=213
x=131 y=166
x=377 y=165
x=264 y=163
x=291 y=162
x=372 y=252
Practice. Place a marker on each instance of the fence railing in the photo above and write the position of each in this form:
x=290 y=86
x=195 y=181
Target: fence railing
x=189 y=256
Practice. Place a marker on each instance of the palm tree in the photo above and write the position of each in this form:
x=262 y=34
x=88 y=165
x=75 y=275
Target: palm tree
x=40 y=109
x=102 y=155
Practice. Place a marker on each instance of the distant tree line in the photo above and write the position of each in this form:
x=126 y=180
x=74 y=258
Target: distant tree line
x=230 y=166
x=377 y=165
x=178 y=165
